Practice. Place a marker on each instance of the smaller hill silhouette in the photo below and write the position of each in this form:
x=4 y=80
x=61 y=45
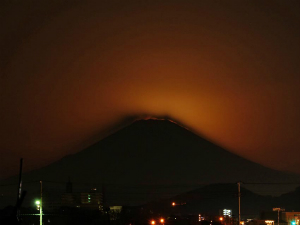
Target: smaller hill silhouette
x=212 y=198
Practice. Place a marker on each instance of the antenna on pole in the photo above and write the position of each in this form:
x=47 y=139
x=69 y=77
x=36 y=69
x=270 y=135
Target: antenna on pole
x=19 y=190
x=239 y=195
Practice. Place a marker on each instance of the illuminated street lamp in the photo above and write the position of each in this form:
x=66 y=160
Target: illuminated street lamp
x=173 y=203
x=39 y=207
x=162 y=220
x=153 y=222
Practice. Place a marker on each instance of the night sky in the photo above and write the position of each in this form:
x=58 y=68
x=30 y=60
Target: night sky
x=73 y=71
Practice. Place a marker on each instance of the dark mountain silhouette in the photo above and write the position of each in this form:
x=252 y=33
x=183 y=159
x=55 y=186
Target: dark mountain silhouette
x=155 y=153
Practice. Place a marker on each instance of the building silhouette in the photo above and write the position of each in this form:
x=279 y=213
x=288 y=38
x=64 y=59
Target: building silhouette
x=91 y=200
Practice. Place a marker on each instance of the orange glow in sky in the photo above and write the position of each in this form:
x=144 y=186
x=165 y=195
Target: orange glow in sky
x=72 y=73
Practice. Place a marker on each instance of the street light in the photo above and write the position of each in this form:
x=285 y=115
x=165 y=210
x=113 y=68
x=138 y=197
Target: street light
x=39 y=207
x=153 y=222
x=162 y=220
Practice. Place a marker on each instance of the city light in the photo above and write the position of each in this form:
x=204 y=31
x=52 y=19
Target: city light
x=173 y=204
x=221 y=218
x=38 y=204
x=39 y=207
x=152 y=221
x=162 y=220
x=227 y=212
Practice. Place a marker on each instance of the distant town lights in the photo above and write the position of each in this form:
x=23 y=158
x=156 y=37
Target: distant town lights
x=227 y=212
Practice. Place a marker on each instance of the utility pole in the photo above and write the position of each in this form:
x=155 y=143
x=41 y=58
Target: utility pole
x=278 y=211
x=41 y=206
x=239 y=195
x=19 y=190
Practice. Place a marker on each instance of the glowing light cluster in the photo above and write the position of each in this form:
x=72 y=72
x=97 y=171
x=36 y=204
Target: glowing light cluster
x=161 y=220
x=227 y=212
